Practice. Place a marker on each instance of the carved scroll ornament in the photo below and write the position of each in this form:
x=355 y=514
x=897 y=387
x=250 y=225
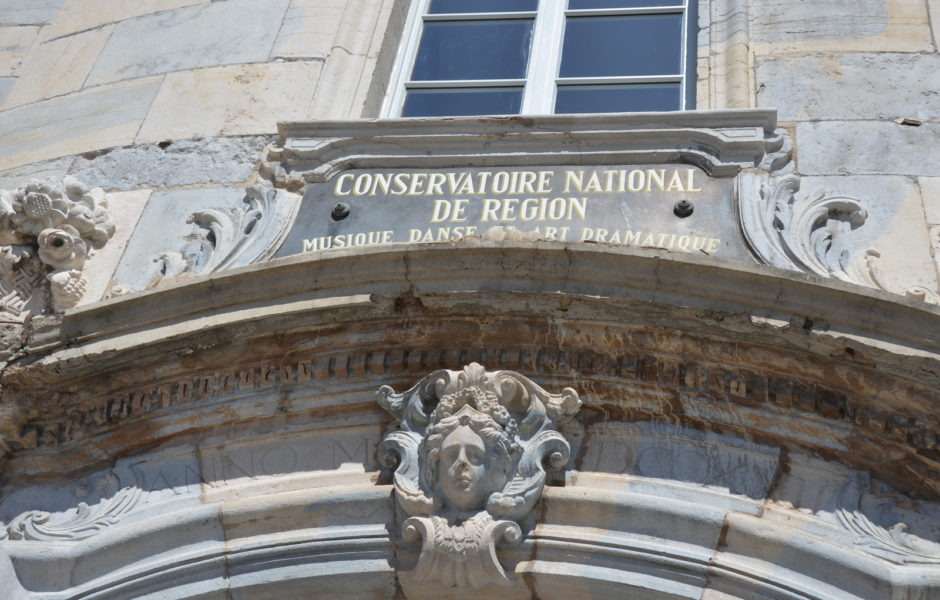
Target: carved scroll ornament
x=471 y=451
x=222 y=239
x=815 y=233
x=58 y=225
x=82 y=521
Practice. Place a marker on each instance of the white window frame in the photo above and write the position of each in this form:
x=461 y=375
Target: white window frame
x=542 y=80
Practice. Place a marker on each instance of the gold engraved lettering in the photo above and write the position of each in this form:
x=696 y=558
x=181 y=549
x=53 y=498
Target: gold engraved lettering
x=545 y=180
x=593 y=184
x=490 y=205
x=573 y=177
x=435 y=182
x=526 y=181
x=481 y=187
x=364 y=238
x=383 y=180
x=338 y=191
x=417 y=182
x=400 y=186
x=509 y=209
x=657 y=177
x=675 y=183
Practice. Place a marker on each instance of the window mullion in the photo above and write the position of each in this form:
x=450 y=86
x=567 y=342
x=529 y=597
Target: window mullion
x=464 y=83
x=689 y=29
x=495 y=16
x=401 y=72
x=539 y=95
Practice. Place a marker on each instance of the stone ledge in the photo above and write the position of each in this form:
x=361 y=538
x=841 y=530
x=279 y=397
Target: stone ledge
x=593 y=270
x=721 y=142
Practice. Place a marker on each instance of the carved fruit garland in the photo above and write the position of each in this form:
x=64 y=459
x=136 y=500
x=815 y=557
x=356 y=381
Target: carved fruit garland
x=59 y=223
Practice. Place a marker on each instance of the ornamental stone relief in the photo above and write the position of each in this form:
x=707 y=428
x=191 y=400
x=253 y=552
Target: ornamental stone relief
x=470 y=455
x=48 y=231
x=198 y=232
x=816 y=233
x=85 y=520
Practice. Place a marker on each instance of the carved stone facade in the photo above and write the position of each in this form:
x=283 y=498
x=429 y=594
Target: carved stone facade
x=681 y=355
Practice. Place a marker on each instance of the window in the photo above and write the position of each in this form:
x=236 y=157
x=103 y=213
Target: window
x=475 y=57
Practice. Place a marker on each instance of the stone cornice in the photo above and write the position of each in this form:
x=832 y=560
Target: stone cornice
x=348 y=278
x=826 y=366
x=720 y=142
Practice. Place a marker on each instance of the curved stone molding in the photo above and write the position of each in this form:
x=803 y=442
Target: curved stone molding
x=81 y=522
x=226 y=240
x=49 y=230
x=471 y=451
x=720 y=142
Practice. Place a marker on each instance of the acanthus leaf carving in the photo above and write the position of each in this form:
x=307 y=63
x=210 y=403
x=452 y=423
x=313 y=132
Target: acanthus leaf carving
x=80 y=522
x=471 y=455
x=892 y=542
x=815 y=230
x=228 y=239
x=815 y=233
x=59 y=223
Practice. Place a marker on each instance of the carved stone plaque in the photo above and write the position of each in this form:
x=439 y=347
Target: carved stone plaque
x=672 y=207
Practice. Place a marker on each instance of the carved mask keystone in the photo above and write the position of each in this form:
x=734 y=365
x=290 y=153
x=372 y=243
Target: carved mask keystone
x=470 y=454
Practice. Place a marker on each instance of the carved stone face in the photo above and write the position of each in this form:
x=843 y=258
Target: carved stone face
x=463 y=469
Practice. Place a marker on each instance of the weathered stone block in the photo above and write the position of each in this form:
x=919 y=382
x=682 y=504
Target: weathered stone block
x=868 y=148
x=229 y=99
x=186 y=162
x=309 y=28
x=125 y=208
x=827 y=86
x=6 y=84
x=786 y=21
x=99 y=118
x=933 y=7
x=782 y=26
x=58 y=67
x=190 y=38
x=673 y=452
x=14 y=44
x=82 y=15
x=28 y=12
x=930 y=191
x=50 y=169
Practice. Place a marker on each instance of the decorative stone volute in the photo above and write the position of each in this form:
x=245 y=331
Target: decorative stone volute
x=471 y=450
x=56 y=224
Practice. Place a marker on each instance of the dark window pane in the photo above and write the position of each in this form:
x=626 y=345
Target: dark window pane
x=623 y=45
x=478 y=6
x=462 y=101
x=473 y=50
x=581 y=4
x=634 y=97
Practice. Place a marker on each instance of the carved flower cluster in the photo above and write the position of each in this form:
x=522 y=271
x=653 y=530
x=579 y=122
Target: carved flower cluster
x=69 y=208
x=64 y=220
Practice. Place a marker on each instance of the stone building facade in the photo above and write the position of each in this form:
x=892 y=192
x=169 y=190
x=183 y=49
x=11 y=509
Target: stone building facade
x=261 y=338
